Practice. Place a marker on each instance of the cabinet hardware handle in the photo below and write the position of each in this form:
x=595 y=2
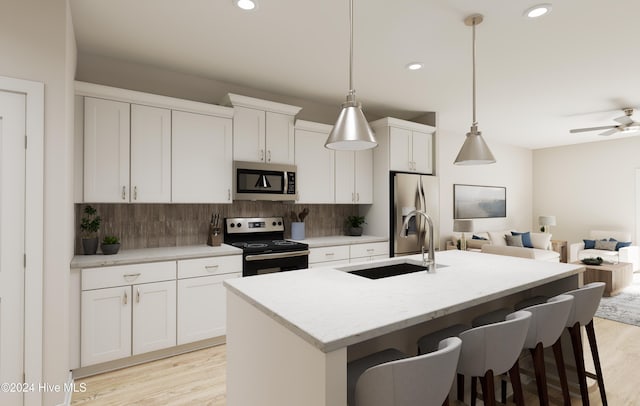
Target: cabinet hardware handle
x=353 y=197
x=124 y=193
x=370 y=250
x=131 y=276
x=135 y=193
x=262 y=154
x=125 y=297
x=330 y=254
x=138 y=295
x=357 y=196
x=211 y=268
x=229 y=194
x=269 y=155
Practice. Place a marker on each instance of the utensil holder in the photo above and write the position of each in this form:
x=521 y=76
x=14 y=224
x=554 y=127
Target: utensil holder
x=214 y=239
x=297 y=230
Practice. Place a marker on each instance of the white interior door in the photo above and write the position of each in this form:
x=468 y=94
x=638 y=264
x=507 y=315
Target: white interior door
x=12 y=248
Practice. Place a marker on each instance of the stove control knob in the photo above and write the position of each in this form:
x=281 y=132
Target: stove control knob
x=279 y=223
x=273 y=224
x=239 y=225
x=232 y=225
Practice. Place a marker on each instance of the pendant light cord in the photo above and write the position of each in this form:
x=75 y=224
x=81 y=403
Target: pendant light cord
x=473 y=59
x=351 y=89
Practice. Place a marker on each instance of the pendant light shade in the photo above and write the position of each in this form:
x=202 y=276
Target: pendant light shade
x=351 y=131
x=474 y=151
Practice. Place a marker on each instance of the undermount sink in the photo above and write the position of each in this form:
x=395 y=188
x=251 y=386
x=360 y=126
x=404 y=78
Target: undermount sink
x=386 y=269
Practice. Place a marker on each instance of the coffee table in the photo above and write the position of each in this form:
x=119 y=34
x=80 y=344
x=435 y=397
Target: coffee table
x=615 y=276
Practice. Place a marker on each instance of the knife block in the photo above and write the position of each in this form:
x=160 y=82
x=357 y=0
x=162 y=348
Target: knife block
x=214 y=239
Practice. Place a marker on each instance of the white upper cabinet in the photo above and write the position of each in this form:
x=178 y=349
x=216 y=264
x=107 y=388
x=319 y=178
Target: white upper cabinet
x=202 y=158
x=263 y=131
x=364 y=176
x=106 y=151
x=314 y=162
x=135 y=151
x=410 y=144
x=354 y=176
x=150 y=154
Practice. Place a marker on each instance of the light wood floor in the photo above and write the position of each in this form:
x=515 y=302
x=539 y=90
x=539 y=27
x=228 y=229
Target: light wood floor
x=198 y=378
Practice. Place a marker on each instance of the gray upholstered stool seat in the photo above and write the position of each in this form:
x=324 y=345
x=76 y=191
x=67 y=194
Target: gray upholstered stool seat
x=430 y=342
x=392 y=378
x=488 y=350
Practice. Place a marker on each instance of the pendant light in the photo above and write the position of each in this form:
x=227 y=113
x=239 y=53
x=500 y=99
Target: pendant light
x=351 y=131
x=474 y=151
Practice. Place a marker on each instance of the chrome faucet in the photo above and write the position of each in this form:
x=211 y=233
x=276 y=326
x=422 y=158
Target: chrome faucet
x=429 y=263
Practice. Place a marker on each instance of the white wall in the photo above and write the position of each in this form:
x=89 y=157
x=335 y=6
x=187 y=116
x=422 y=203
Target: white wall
x=587 y=186
x=512 y=170
x=36 y=43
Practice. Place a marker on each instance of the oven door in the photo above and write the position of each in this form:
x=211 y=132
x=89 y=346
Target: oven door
x=259 y=264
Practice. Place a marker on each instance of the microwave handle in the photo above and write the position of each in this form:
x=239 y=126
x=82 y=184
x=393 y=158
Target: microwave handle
x=286 y=182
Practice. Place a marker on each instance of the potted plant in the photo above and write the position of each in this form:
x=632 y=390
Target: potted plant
x=110 y=245
x=355 y=225
x=89 y=227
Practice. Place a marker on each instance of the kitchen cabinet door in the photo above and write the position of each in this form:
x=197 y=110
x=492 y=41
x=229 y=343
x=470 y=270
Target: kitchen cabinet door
x=400 y=145
x=202 y=307
x=105 y=325
x=201 y=166
x=106 y=151
x=364 y=176
x=315 y=165
x=154 y=316
x=345 y=177
x=421 y=152
x=150 y=154
x=249 y=127
x=279 y=138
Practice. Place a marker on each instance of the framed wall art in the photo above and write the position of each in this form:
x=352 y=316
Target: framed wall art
x=474 y=202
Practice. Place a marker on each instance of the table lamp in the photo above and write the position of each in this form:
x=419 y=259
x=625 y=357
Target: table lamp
x=545 y=222
x=463 y=226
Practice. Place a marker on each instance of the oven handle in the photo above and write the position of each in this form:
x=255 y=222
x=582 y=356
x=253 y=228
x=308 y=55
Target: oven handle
x=276 y=255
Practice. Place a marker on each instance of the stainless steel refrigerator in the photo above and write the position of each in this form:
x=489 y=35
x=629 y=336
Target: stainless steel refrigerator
x=413 y=192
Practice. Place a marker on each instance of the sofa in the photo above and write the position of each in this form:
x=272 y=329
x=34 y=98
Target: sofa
x=496 y=242
x=611 y=246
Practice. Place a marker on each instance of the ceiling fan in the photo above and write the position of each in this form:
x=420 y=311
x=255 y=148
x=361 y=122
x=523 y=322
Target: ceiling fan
x=627 y=125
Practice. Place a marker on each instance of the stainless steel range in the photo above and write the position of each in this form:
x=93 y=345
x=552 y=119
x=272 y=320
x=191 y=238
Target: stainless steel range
x=264 y=249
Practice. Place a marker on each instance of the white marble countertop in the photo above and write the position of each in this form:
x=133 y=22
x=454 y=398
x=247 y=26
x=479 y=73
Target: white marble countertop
x=316 y=242
x=137 y=256
x=332 y=309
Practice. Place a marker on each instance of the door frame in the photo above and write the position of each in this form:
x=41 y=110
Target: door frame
x=34 y=230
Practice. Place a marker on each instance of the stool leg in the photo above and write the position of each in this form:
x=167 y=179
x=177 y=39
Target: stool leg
x=591 y=334
x=474 y=390
x=503 y=390
x=537 y=354
x=488 y=391
x=576 y=341
x=514 y=374
x=460 y=386
x=562 y=372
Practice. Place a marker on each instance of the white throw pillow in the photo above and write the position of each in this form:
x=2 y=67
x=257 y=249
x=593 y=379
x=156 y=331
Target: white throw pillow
x=497 y=238
x=541 y=240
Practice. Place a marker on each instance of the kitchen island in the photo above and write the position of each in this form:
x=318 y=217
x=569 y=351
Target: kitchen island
x=290 y=335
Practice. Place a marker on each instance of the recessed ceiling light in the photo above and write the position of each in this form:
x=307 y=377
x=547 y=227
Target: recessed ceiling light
x=538 y=10
x=245 y=4
x=415 y=66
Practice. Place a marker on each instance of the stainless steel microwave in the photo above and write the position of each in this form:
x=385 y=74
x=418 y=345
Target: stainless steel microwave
x=261 y=181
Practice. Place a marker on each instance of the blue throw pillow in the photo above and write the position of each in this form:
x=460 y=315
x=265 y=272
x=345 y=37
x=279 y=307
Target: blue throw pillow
x=622 y=244
x=589 y=244
x=526 y=238
x=477 y=237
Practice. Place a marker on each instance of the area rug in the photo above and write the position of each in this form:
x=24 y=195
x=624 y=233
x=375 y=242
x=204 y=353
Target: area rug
x=625 y=306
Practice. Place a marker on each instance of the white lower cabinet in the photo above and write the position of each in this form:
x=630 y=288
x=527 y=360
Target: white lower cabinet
x=368 y=252
x=336 y=255
x=202 y=303
x=129 y=319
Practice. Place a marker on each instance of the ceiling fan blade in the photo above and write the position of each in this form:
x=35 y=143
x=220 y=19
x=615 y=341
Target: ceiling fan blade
x=581 y=130
x=624 y=120
x=610 y=132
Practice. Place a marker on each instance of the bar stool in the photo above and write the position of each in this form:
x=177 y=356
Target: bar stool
x=585 y=305
x=392 y=378
x=488 y=350
x=548 y=321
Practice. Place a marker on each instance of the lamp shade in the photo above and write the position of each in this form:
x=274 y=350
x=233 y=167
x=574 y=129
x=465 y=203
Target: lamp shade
x=463 y=226
x=474 y=151
x=547 y=220
x=351 y=131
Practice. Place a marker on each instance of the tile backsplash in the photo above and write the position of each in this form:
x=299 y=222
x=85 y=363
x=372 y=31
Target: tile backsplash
x=171 y=225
